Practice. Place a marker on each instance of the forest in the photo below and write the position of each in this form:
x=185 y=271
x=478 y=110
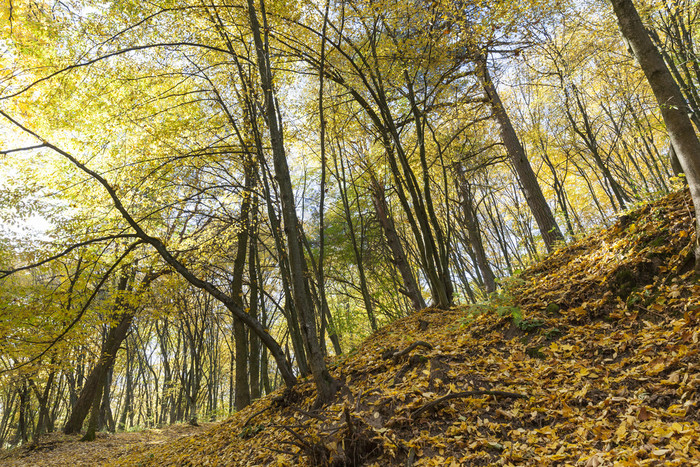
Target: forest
x=204 y=205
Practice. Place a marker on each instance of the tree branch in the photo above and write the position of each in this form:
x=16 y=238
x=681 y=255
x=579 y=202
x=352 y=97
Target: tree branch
x=5 y=273
x=461 y=395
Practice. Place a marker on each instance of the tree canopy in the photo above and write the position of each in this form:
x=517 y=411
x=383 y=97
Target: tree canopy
x=202 y=202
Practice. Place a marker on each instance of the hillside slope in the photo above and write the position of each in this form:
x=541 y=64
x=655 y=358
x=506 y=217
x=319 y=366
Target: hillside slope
x=588 y=358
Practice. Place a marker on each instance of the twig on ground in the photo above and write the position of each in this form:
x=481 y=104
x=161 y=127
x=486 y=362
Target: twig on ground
x=461 y=395
x=259 y=412
x=415 y=345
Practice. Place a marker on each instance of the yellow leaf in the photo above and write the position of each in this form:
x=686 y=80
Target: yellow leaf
x=621 y=432
x=582 y=393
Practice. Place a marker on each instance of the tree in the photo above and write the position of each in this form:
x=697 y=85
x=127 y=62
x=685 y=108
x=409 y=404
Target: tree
x=670 y=100
x=549 y=229
x=310 y=171
x=325 y=384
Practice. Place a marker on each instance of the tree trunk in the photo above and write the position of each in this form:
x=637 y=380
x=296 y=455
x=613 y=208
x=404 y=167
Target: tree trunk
x=92 y=388
x=239 y=331
x=125 y=313
x=94 y=412
x=410 y=285
x=285 y=275
x=676 y=166
x=44 y=421
x=671 y=102
x=22 y=432
x=326 y=386
x=106 y=419
x=472 y=225
x=254 y=342
x=357 y=251
x=530 y=186
x=128 y=392
x=166 y=400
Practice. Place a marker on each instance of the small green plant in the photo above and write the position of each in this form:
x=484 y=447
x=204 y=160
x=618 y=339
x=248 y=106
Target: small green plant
x=528 y=325
x=499 y=302
x=634 y=299
x=474 y=311
x=510 y=310
x=536 y=352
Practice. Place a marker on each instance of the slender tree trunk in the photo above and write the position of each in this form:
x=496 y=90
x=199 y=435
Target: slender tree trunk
x=44 y=421
x=558 y=185
x=441 y=243
x=106 y=419
x=322 y=304
x=239 y=331
x=531 y=188
x=588 y=136
x=264 y=366
x=254 y=301
x=22 y=429
x=166 y=399
x=95 y=380
x=128 y=390
x=326 y=386
x=8 y=413
x=320 y=270
x=410 y=285
x=472 y=225
x=342 y=187
x=290 y=312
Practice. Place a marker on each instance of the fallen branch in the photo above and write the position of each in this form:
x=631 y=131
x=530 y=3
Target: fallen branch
x=310 y=414
x=317 y=453
x=249 y=419
x=461 y=395
x=415 y=345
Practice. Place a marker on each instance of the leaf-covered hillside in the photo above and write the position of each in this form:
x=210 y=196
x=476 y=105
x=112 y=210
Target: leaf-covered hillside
x=589 y=358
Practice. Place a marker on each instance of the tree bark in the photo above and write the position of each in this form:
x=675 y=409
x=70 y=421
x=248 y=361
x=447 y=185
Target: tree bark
x=410 y=284
x=357 y=251
x=326 y=386
x=253 y=341
x=671 y=102
x=239 y=331
x=472 y=225
x=93 y=384
x=551 y=234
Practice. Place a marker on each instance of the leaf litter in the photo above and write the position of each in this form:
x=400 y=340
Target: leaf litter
x=588 y=358
x=58 y=449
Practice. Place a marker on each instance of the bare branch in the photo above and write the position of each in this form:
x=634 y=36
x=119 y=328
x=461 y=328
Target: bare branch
x=114 y=54
x=461 y=395
x=5 y=273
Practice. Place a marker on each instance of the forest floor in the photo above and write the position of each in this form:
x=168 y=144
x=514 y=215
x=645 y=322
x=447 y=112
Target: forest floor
x=591 y=358
x=57 y=449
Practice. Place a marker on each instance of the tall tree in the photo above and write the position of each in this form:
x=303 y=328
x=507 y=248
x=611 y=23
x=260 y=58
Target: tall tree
x=674 y=107
x=549 y=229
x=325 y=384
